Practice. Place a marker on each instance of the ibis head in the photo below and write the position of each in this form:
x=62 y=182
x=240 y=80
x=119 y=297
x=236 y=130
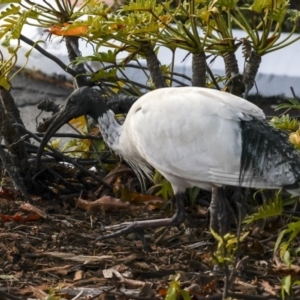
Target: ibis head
x=83 y=101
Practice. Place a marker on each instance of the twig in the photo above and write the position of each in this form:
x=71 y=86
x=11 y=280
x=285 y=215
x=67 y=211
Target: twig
x=69 y=160
x=175 y=80
x=212 y=77
x=140 y=67
x=4 y=295
x=73 y=135
x=78 y=295
x=15 y=178
x=72 y=46
x=294 y=94
x=47 y=54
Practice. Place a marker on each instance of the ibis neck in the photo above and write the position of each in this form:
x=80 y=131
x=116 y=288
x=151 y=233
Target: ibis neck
x=110 y=129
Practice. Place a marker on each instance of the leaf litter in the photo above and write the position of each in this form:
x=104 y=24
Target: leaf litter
x=50 y=249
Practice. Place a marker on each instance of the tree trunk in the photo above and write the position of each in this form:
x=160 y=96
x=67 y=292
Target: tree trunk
x=12 y=138
x=74 y=52
x=251 y=70
x=199 y=69
x=153 y=65
x=234 y=78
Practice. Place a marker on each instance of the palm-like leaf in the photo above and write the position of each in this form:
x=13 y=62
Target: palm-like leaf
x=270 y=208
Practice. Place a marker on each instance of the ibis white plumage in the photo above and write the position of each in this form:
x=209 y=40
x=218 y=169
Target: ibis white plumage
x=194 y=137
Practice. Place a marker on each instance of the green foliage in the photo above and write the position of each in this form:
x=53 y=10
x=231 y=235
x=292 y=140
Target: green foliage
x=9 y=1
x=263 y=22
x=288 y=124
x=270 y=208
x=164 y=187
x=77 y=148
x=285 y=123
x=175 y=292
x=293 y=15
x=140 y=5
x=293 y=104
x=260 y=5
x=286 y=285
x=227 y=246
x=193 y=194
x=290 y=234
x=228 y=4
x=194 y=26
x=11 y=10
x=5 y=83
x=104 y=57
x=286 y=258
x=106 y=75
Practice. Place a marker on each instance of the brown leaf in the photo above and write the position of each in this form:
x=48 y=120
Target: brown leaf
x=33 y=210
x=268 y=288
x=117 y=172
x=59 y=270
x=283 y=269
x=39 y=294
x=145 y=199
x=104 y=204
x=6 y=194
x=8 y=218
x=78 y=275
x=79 y=258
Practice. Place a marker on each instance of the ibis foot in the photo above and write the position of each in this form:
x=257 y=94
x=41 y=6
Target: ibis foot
x=139 y=226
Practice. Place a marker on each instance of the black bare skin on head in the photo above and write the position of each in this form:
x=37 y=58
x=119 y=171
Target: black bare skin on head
x=86 y=101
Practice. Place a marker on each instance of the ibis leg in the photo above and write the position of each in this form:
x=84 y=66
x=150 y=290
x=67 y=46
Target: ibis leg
x=218 y=211
x=128 y=227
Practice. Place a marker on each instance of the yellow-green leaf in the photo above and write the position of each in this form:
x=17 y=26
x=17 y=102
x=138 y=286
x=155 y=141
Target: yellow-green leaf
x=286 y=284
x=5 y=83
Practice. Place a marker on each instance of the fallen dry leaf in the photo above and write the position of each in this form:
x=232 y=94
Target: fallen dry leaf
x=32 y=209
x=104 y=204
x=78 y=275
x=117 y=172
x=60 y=270
x=267 y=287
x=79 y=258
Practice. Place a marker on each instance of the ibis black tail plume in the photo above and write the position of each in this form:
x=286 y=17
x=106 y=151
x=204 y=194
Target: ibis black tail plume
x=268 y=155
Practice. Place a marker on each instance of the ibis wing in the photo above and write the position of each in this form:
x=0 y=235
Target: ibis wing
x=191 y=136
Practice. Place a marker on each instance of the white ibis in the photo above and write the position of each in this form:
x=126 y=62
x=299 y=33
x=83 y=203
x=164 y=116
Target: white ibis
x=193 y=137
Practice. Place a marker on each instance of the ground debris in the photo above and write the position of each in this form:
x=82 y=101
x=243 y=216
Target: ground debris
x=56 y=255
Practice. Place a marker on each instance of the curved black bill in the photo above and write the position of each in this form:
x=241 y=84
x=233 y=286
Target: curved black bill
x=62 y=118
